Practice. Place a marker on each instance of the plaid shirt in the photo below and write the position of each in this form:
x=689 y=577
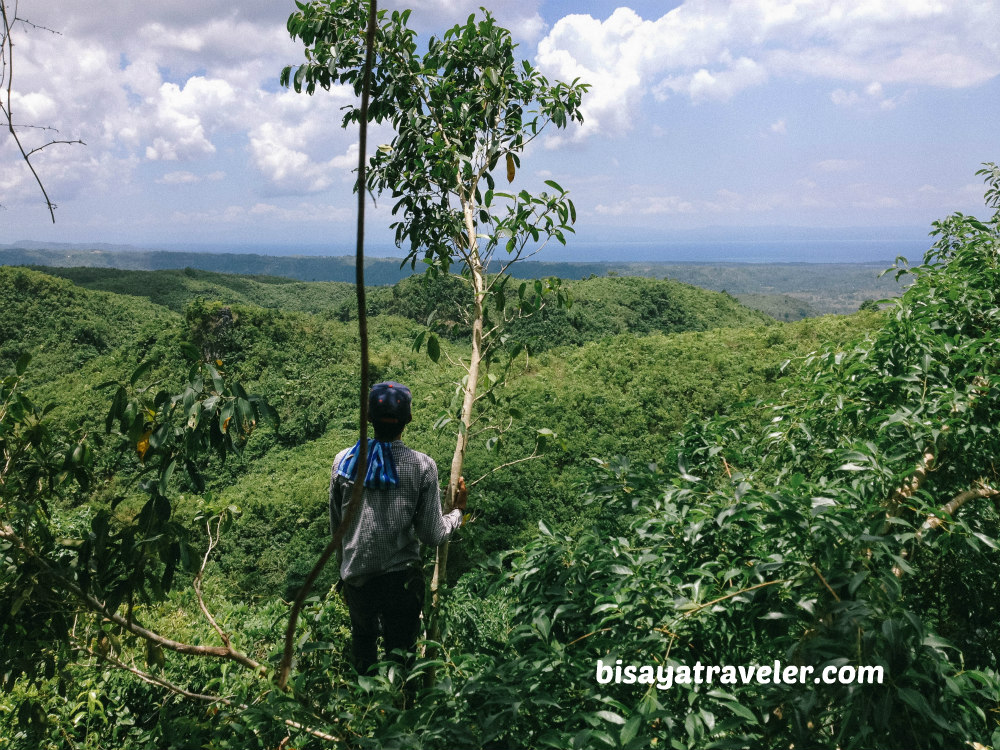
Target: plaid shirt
x=391 y=522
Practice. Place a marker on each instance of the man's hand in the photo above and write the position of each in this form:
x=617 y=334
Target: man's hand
x=461 y=496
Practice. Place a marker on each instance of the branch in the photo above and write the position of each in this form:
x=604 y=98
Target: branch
x=201 y=572
x=453 y=363
x=504 y=466
x=494 y=427
x=153 y=679
x=910 y=486
x=177 y=690
x=520 y=256
x=228 y=653
x=700 y=607
x=948 y=509
x=32 y=24
x=817 y=572
x=906 y=490
x=7 y=53
x=588 y=635
x=52 y=143
x=181 y=648
x=493 y=330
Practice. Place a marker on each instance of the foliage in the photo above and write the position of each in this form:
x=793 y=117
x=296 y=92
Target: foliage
x=176 y=289
x=55 y=576
x=839 y=528
x=37 y=467
x=848 y=519
x=304 y=363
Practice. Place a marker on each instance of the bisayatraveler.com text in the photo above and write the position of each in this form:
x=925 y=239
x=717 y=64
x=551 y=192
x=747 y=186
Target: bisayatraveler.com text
x=666 y=676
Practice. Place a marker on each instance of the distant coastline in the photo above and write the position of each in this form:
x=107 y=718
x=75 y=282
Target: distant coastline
x=725 y=251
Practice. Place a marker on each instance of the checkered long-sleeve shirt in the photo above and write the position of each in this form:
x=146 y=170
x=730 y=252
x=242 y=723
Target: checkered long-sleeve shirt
x=388 y=528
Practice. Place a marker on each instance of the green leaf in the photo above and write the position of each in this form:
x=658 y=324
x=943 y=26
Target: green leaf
x=610 y=716
x=433 y=347
x=141 y=370
x=165 y=476
x=820 y=504
x=988 y=541
x=741 y=711
x=22 y=364
x=631 y=729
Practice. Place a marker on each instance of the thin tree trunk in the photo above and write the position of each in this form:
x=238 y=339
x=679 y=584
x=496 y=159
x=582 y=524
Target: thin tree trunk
x=357 y=491
x=439 y=578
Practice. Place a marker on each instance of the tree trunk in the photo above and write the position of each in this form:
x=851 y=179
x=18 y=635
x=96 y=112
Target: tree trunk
x=439 y=578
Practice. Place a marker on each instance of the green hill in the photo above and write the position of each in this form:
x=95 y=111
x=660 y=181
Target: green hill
x=783 y=307
x=618 y=372
x=603 y=306
x=822 y=287
x=175 y=288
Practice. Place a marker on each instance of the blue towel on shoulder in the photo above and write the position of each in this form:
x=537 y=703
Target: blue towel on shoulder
x=381 y=470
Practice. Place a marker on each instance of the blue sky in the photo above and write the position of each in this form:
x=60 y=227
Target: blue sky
x=703 y=114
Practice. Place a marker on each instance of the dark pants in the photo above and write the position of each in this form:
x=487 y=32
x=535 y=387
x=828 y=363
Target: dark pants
x=388 y=605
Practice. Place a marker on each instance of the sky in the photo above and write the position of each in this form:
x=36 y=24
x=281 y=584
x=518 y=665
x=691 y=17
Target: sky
x=705 y=118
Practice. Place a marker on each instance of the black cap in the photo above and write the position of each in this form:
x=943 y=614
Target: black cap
x=389 y=402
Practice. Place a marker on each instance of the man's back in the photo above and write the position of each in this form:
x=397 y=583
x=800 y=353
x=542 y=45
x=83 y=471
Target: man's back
x=391 y=521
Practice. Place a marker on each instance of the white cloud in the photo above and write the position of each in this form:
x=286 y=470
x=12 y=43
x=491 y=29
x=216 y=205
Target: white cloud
x=802 y=195
x=300 y=147
x=873 y=96
x=843 y=98
x=166 y=84
x=647 y=206
x=179 y=178
x=606 y=55
x=703 y=85
x=880 y=202
x=722 y=202
x=714 y=49
x=779 y=127
x=180 y=117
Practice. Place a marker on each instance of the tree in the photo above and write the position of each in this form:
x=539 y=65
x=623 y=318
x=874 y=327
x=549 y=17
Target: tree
x=10 y=20
x=461 y=111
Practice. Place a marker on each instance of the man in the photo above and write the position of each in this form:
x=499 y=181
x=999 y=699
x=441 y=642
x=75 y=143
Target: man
x=380 y=553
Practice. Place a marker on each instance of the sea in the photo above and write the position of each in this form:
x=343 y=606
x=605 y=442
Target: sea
x=705 y=251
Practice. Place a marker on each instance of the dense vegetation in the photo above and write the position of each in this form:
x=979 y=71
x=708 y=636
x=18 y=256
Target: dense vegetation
x=303 y=363
x=820 y=493
x=583 y=392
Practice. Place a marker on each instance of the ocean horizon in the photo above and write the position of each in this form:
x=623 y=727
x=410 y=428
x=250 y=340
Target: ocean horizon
x=755 y=251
